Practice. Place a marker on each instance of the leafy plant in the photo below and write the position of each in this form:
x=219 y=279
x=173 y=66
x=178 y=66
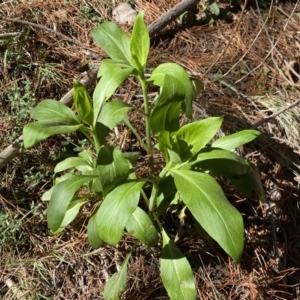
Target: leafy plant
x=106 y=174
x=213 y=12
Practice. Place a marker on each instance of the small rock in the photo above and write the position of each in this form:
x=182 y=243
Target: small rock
x=124 y=13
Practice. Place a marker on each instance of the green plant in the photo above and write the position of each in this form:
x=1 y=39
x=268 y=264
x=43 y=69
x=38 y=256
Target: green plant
x=108 y=176
x=213 y=12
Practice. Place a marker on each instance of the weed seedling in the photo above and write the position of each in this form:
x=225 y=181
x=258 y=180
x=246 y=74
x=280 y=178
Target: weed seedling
x=108 y=174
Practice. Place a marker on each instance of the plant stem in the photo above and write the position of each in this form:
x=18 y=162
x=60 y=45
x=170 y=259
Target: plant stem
x=96 y=140
x=86 y=133
x=144 y=86
x=153 y=197
x=145 y=197
x=129 y=125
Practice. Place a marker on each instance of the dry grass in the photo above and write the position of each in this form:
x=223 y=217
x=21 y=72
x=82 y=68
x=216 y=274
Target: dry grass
x=246 y=79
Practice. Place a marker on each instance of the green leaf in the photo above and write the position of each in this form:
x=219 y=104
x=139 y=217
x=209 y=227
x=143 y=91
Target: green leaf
x=197 y=87
x=110 y=115
x=165 y=118
x=214 y=8
x=166 y=193
x=201 y=231
x=92 y=232
x=236 y=140
x=220 y=162
x=71 y=162
x=112 y=166
x=191 y=138
x=83 y=103
x=248 y=183
x=87 y=155
x=132 y=156
x=140 y=226
x=61 y=197
x=116 y=209
x=34 y=133
x=175 y=86
x=47 y=195
x=139 y=43
x=166 y=147
x=209 y=206
x=113 y=40
x=171 y=90
x=53 y=110
x=117 y=283
x=113 y=112
x=70 y=215
x=113 y=74
x=175 y=271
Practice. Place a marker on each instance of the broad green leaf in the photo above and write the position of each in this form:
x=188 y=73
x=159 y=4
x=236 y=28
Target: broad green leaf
x=83 y=103
x=140 y=226
x=236 y=140
x=132 y=156
x=248 y=183
x=71 y=162
x=201 y=231
x=47 y=195
x=182 y=84
x=113 y=74
x=95 y=185
x=92 y=232
x=209 y=206
x=53 y=110
x=191 y=138
x=117 y=283
x=165 y=118
x=139 y=43
x=170 y=91
x=113 y=40
x=220 y=162
x=61 y=197
x=214 y=8
x=175 y=271
x=113 y=112
x=87 y=155
x=71 y=213
x=112 y=166
x=110 y=115
x=116 y=209
x=35 y=132
x=166 y=192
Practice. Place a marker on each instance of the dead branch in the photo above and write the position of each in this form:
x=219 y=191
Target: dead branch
x=170 y=16
x=274 y=115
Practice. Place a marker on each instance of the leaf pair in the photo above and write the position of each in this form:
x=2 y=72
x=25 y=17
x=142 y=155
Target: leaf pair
x=120 y=210
x=128 y=55
x=53 y=118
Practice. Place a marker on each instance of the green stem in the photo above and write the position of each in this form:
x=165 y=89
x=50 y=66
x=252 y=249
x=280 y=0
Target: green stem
x=153 y=197
x=147 y=110
x=152 y=214
x=86 y=133
x=96 y=140
x=145 y=197
x=129 y=125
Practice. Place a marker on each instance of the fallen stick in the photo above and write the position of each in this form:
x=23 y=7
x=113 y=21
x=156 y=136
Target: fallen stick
x=16 y=147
